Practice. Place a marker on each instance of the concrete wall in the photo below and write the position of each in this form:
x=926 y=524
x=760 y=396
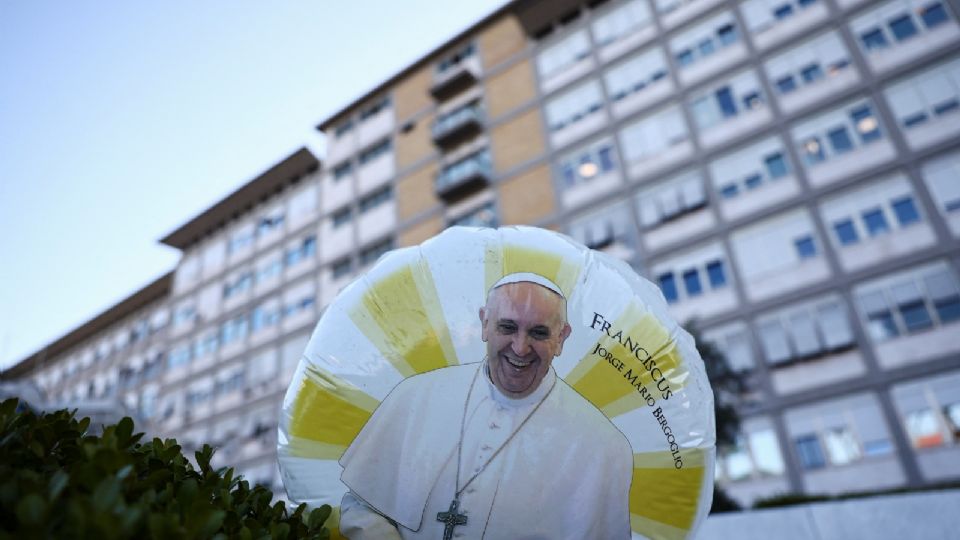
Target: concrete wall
x=927 y=516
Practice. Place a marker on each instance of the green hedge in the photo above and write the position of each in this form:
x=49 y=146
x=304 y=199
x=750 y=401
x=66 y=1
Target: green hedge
x=58 y=482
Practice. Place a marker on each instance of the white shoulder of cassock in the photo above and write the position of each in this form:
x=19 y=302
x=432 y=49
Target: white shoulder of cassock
x=397 y=457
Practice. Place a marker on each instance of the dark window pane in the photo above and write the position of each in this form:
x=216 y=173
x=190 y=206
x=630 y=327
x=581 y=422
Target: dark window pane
x=752 y=100
x=787 y=84
x=933 y=15
x=685 y=57
x=874 y=39
x=915 y=119
x=806 y=248
x=813 y=151
x=657 y=75
x=846 y=233
x=866 y=124
x=915 y=316
x=906 y=211
x=952 y=206
x=706 y=47
x=812 y=73
x=840 y=140
x=810 y=452
x=783 y=11
x=776 y=165
x=805 y=3
x=725 y=100
x=727 y=34
x=691 y=281
x=948 y=309
x=903 y=27
x=753 y=181
x=716 y=274
x=875 y=222
x=946 y=106
x=730 y=191
x=881 y=325
x=669 y=287
x=605 y=155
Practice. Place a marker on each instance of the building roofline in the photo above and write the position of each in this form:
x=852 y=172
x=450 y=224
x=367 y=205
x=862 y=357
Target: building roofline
x=155 y=290
x=417 y=64
x=290 y=169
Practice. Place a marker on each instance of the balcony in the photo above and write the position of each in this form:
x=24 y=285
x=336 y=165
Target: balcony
x=453 y=80
x=460 y=178
x=457 y=126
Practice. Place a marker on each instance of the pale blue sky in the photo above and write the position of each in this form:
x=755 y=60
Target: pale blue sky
x=121 y=120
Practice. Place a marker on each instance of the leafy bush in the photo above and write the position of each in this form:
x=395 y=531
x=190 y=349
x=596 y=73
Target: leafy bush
x=58 y=482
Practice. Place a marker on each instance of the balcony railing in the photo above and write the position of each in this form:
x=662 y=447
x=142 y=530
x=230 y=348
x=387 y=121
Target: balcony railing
x=457 y=126
x=452 y=80
x=466 y=175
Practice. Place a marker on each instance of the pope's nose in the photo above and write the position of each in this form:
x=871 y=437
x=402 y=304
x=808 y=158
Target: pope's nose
x=520 y=345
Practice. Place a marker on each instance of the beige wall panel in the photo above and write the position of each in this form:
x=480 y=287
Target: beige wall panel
x=528 y=197
x=415 y=192
x=421 y=231
x=500 y=40
x=508 y=90
x=415 y=144
x=412 y=94
x=517 y=141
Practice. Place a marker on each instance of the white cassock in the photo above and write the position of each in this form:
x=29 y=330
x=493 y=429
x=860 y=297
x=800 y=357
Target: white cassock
x=565 y=474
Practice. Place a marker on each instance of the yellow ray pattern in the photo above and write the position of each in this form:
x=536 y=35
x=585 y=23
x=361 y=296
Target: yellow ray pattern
x=664 y=499
x=326 y=415
x=617 y=389
x=503 y=259
x=401 y=316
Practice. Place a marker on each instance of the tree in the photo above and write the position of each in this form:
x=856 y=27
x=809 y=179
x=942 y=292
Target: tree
x=58 y=482
x=727 y=386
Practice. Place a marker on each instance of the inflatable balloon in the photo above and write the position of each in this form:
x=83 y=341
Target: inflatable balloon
x=416 y=310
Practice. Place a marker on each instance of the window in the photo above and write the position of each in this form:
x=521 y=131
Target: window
x=269 y=223
x=806 y=248
x=653 y=134
x=805 y=331
x=264 y=316
x=375 y=151
x=841 y=445
x=587 y=163
x=636 y=74
x=669 y=287
x=750 y=168
x=372 y=253
x=924 y=428
x=306 y=250
x=564 y=53
x=903 y=27
x=776 y=165
x=714 y=106
x=762 y=15
x=343 y=128
x=716 y=274
x=933 y=15
x=829 y=135
x=574 y=105
x=341 y=268
x=705 y=39
x=239 y=284
x=941 y=175
x=484 y=216
x=906 y=211
x=270 y=269
x=734 y=342
x=374 y=109
x=342 y=171
x=846 y=233
x=691 y=281
x=341 y=217
x=240 y=240
x=456 y=58
x=909 y=302
x=608 y=228
x=233 y=330
x=301 y=304
x=621 y=21
x=671 y=199
x=875 y=222
x=808 y=63
x=874 y=40
x=931 y=95
x=178 y=356
x=810 y=452
x=206 y=344
x=376 y=199
x=470 y=166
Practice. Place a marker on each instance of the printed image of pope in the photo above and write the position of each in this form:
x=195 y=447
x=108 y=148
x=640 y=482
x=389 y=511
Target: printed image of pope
x=500 y=448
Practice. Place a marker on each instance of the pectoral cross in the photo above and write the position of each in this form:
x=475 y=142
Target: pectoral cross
x=451 y=519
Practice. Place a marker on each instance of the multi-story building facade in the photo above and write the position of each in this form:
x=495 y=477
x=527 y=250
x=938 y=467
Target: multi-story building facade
x=788 y=172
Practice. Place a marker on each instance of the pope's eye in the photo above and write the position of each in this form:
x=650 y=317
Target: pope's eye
x=540 y=333
x=506 y=328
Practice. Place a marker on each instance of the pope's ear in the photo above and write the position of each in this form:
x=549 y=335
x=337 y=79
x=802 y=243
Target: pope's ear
x=483 y=324
x=564 y=334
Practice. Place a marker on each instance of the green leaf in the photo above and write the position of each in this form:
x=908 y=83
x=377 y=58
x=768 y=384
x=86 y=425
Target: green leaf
x=318 y=516
x=57 y=483
x=31 y=510
x=124 y=430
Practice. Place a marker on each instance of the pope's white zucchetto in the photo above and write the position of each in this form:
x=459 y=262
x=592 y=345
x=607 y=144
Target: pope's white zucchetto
x=528 y=277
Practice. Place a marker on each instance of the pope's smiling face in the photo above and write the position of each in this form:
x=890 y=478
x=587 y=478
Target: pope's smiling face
x=524 y=327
